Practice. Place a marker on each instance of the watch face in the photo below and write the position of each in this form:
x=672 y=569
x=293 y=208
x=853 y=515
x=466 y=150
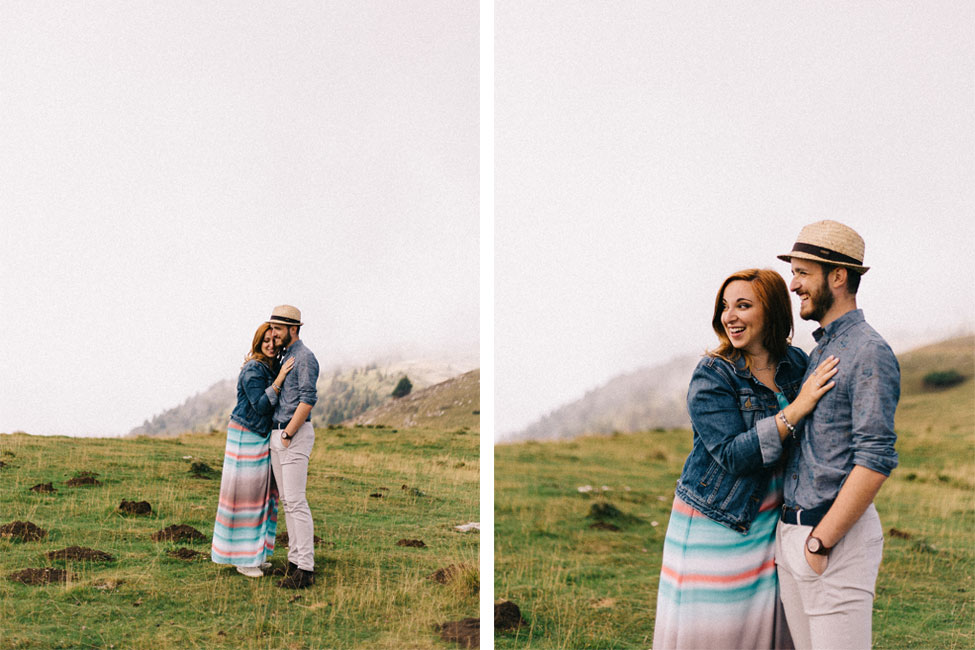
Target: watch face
x=284 y=435
x=814 y=545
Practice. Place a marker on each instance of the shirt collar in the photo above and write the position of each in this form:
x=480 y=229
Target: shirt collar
x=840 y=325
x=291 y=348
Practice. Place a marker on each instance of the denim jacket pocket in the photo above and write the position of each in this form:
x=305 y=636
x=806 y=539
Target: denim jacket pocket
x=750 y=406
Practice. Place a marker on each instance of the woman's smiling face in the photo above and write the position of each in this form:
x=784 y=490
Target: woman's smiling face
x=267 y=344
x=742 y=317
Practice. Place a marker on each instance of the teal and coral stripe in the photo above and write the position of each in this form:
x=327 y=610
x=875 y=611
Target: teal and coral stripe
x=718 y=588
x=246 y=519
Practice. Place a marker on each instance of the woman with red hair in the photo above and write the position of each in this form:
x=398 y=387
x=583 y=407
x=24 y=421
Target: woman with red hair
x=718 y=586
x=246 y=522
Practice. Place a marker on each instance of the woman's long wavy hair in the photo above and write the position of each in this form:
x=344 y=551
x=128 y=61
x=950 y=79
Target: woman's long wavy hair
x=773 y=295
x=256 y=354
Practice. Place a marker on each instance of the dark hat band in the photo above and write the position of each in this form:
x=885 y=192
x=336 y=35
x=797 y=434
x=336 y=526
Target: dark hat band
x=825 y=253
x=285 y=319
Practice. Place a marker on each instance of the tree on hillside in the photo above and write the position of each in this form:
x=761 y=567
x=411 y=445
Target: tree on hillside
x=403 y=388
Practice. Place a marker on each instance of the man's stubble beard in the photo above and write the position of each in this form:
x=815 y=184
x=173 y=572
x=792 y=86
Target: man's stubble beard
x=822 y=301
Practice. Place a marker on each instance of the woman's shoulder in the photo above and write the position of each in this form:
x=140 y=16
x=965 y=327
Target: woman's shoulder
x=797 y=356
x=712 y=361
x=711 y=367
x=254 y=367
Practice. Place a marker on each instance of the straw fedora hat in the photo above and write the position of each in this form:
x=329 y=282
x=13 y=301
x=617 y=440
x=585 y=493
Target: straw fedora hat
x=285 y=315
x=829 y=242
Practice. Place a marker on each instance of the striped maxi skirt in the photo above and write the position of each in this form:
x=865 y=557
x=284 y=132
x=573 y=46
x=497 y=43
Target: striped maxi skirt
x=718 y=588
x=247 y=513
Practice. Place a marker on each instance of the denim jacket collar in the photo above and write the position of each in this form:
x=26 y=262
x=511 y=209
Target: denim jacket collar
x=840 y=325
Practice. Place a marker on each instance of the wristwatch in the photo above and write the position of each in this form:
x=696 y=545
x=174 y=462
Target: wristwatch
x=285 y=436
x=815 y=545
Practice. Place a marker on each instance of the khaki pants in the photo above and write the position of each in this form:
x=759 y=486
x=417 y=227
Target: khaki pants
x=290 y=466
x=832 y=611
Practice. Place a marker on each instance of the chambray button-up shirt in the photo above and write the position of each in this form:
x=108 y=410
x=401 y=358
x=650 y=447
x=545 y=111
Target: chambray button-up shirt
x=299 y=385
x=853 y=424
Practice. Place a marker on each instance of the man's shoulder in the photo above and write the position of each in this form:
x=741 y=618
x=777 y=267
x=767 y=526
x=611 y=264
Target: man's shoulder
x=870 y=340
x=304 y=355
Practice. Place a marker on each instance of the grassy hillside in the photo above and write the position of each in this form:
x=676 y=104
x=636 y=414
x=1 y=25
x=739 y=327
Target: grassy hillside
x=585 y=587
x=370 y=592
x=452 y=404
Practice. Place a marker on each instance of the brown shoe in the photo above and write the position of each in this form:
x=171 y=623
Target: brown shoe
x=297 y=580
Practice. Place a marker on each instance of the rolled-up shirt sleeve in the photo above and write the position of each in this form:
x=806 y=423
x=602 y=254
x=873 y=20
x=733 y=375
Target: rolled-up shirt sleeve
x=307 y=379
x=874 y=396
x=716 y=416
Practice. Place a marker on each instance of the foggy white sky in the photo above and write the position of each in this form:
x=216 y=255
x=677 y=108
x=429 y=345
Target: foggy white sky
x=646 y=150
x=171 y=171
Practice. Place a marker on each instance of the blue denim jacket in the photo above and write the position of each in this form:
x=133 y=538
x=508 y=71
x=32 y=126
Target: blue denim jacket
x=300 y=384
x=853 y=424
x=736 y=441
x=255 y=398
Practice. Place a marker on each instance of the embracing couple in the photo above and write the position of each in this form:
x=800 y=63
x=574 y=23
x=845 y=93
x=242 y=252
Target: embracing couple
x=269 y=442
x=774 y=539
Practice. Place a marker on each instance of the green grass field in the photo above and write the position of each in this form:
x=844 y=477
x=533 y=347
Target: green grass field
x=582 y=587
x=370 y=593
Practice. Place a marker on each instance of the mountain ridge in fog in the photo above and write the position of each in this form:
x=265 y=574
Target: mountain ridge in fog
x=647 y=398
x=344 y=391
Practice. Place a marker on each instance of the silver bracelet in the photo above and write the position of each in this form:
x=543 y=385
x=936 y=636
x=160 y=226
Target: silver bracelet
x=788 y=426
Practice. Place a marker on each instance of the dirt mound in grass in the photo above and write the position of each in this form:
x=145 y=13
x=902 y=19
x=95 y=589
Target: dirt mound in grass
x=135 y=507
x=448 y=573
x=80 y=553
x=43 y=487
x=178 y=533
x=39 y=576
x=24 y=531
x=281 y=539
x=466 y=632
x=200 y=469
x=413 y=543
x=507 y=616
x=603 y=525
x=184 y=553
x=84 y=478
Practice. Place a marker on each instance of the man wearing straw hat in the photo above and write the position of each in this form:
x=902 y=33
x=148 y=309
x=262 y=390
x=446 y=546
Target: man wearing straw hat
x=292 y=439
x=829 y=539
